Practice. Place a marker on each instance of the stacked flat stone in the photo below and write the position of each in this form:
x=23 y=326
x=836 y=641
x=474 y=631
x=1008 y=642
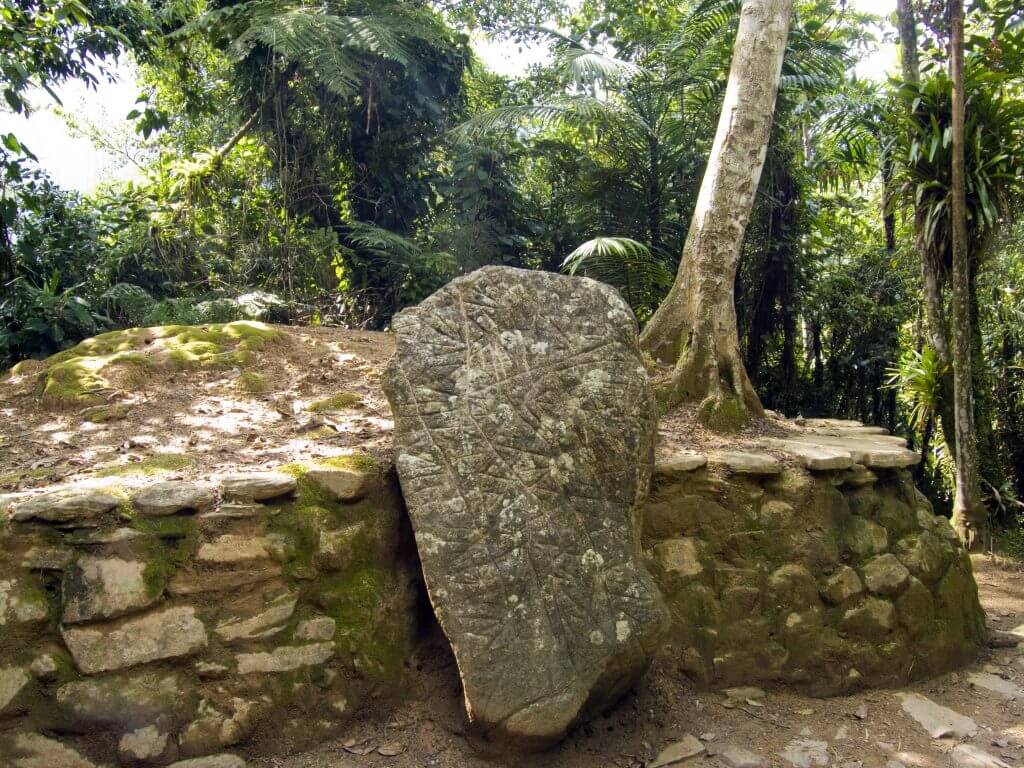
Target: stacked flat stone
x=810 y=560
x=176 y=617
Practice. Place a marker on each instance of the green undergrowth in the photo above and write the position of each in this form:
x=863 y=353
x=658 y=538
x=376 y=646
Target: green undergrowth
x=1011 y=543
x=129 y=358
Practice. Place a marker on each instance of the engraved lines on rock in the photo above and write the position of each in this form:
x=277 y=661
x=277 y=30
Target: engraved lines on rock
x=558 y=632
x=557 y=626
x=452 y=620
x=448 y=363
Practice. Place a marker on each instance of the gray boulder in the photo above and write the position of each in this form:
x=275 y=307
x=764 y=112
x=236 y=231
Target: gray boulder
x=32 y=750
x=82 y=507
x=172 y=497
x=257 y=486
x=524 y=429
x=166 y=633
x=105 y=587
x=124 y=703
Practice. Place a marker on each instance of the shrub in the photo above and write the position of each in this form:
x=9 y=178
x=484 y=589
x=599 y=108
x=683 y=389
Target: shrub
x=40 y=320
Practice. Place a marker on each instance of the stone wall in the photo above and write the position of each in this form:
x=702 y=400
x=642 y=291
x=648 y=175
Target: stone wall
x=143 y=626
x=170 y=622
x=830 y=580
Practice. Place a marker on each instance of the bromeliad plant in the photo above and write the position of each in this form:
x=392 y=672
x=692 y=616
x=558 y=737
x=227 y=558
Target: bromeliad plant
x=994 y=140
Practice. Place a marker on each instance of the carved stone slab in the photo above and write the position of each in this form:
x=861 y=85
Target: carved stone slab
x=524 y=430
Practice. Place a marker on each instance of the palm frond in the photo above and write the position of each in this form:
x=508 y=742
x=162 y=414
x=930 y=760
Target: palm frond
x=626 y=264
x=585 y=66
x=568 y=110
x=811 y=63
x=706 y=22
x=382 y=244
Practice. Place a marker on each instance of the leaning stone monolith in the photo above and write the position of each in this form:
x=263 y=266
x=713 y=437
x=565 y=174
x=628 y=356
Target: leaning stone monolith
x=524 y=431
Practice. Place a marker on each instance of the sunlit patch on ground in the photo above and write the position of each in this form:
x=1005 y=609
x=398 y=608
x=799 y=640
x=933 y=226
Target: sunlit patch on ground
x=296 y=393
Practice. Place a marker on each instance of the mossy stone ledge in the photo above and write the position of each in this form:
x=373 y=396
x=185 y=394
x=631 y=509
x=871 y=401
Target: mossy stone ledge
x=829 y=575
x=127 y=359
x=173 y=620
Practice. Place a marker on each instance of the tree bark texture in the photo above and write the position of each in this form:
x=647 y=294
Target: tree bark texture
x=906 y=22
x=695 y=326
x=970 y=518
x=932 y=278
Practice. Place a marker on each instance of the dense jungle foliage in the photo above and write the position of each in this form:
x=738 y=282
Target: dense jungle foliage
x=332 y=161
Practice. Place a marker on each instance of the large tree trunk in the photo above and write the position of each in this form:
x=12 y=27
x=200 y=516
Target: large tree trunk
x=695 y=326
x=970 y=518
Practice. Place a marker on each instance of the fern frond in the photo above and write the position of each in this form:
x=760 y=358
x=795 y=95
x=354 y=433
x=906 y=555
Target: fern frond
x=327 y=44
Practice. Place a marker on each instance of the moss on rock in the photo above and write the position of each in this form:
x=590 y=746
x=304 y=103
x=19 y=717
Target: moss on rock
x=360 y=462
x=342 y=401
x=864 y=538
x=372 y=616
x=101 y=414
x=773 y=553
x=916 y=609
x=253 y=383
x=128 y=358
x=723 y=414
x=13 y=478
x=793 y=588
x=151 y=465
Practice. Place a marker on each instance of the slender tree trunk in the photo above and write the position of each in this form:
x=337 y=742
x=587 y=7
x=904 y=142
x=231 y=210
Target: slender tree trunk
x=932 y=285
x=6 y=258
x=788 y=395
x=906 y=22
x=888 y=214
x=931 y=271
x=985 y=419
x=931 y=277
x=696 y=324
x=926 y=446
x=819 y=365
x=970 y=518
x=654 y=212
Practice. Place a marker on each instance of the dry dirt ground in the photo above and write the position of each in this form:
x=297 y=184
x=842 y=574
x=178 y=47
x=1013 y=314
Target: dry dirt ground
x=196 y=422
x=202 y=420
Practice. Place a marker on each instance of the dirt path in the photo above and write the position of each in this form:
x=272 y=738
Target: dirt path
x=868 y=730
